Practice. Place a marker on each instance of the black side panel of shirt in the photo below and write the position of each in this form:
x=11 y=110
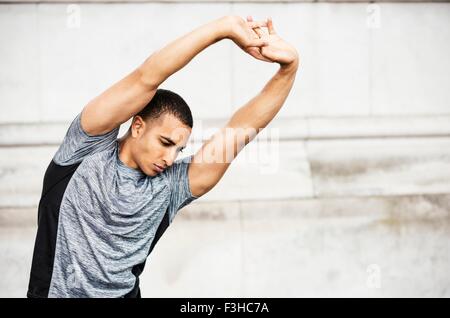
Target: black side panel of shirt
x=55 y=182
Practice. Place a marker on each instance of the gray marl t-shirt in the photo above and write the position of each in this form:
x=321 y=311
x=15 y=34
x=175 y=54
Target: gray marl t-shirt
x=108 y=216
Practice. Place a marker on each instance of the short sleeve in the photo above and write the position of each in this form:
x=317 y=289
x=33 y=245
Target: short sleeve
x=77 y=144
x=180 y=192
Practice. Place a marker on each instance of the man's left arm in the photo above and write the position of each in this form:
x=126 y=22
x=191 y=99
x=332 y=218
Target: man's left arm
x=211 y=162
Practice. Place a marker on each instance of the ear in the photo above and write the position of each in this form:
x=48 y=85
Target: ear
x=137 y=126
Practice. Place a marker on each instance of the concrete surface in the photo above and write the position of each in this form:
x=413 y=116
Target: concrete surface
x=338 y=247
x=349 y=66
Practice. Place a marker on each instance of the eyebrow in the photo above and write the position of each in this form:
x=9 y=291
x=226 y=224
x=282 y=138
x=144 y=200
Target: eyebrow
x=171 y=142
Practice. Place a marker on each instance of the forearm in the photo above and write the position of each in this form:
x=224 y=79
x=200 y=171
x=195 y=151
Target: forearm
x=214 y=158
x=174 y=56
x=261 y=109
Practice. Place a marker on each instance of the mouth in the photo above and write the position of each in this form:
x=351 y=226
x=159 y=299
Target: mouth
x=158 y=168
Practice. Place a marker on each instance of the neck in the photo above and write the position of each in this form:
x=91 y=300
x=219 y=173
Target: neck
x=125 y=151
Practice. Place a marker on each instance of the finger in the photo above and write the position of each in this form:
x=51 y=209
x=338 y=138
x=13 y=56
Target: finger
x=270 y=26
x=259 y=31
x=258 y=42
x=255 y=35
x=257 y=24
x=253 y=51
x=250 y=23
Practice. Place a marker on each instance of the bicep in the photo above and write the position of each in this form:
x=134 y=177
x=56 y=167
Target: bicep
x=117 y=104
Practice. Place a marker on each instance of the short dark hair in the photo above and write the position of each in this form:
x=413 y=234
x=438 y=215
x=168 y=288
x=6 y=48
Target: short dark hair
x=166 y=101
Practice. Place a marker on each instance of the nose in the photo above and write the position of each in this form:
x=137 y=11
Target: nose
x=169 y=157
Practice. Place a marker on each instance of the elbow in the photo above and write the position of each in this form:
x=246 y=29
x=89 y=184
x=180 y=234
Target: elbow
x=148 y=73
x=148 y=80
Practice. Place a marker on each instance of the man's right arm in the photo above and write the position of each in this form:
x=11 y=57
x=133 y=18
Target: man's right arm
x=130 y=95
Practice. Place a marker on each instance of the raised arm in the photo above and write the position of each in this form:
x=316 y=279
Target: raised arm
x=130 y=95
x=213 y=159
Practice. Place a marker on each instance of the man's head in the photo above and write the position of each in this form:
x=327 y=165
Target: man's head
x=159 y=132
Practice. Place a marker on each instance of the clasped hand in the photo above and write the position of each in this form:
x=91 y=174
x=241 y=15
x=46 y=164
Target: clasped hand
x=265 y=45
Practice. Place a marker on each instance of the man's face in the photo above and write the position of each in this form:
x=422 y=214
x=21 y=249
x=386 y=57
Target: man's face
x=158 y=142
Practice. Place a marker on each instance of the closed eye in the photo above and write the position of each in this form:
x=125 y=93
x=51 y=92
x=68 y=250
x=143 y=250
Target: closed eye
x=168 y=143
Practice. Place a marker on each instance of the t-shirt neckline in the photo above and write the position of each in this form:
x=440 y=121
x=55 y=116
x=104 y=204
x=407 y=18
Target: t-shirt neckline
x=123 y=167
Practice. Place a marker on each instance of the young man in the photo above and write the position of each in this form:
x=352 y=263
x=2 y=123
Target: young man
x=106 y=201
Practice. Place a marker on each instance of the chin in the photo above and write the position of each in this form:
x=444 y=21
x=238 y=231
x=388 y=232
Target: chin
x=151 y=173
